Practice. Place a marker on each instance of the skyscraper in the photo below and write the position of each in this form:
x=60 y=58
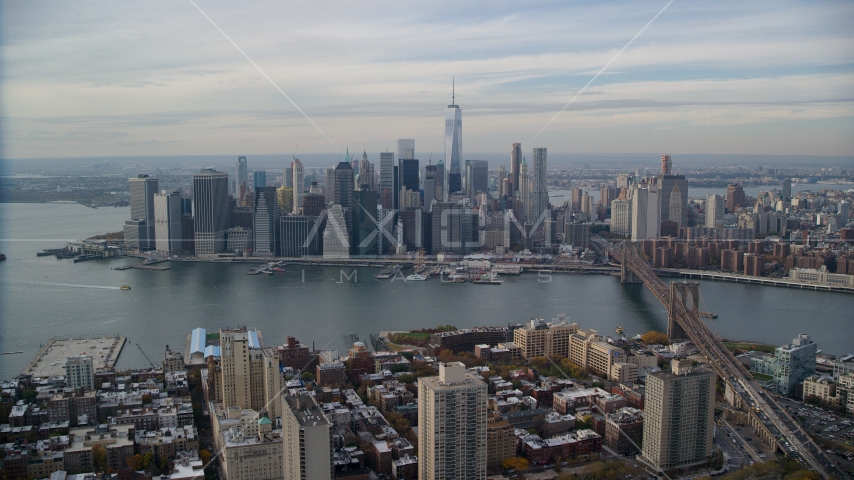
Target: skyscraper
x=242 y=172
x=621 y=217
x=477 y=177
x=387 y=177
x=364 y=222
x=452 y=424
x=525 y=191
x=265 y=221
x=260 y=179
x=502 y=176
x=646 y=213
x=366 y=172
x=296 y=239
x=539 y=191
x=714 y=210
x=167 y=221
x=666 y=165
x=441 y=181
x=515 y=166
x=405 y=149
x=299 y=184
x=344 y=184
x=210 y=211
x=429 y=186
x=249 y=374
x=678 y=417
x=142 y=190
x=787 y=190
x=453 y=140
x=408 y=171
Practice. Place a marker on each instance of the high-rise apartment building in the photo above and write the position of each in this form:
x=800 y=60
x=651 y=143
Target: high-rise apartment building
x=452 y=425
x=539 y=190
x=80 y=372
x=646 y=214
x=249 y=372
x=678 y=424
x=515 y=167
x=539 y=338
x=787 y=190
x=142 y=191
x=735 y=198
x=167 y=222
x=714 y=210
x=299 y=185
x=210 y=211
x=307 y=435
x=453 y=140
x=405 y=149
x=500 y=442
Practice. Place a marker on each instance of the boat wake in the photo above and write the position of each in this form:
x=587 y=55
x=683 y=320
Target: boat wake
x=72 y=285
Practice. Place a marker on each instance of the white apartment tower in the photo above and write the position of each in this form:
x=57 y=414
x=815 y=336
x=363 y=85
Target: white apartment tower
x=80 y=372
x=646 y=213
x=452 y=425
x=299 y=185
x=714 y=210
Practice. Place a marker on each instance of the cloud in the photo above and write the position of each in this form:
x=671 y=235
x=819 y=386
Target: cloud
x=378 y=70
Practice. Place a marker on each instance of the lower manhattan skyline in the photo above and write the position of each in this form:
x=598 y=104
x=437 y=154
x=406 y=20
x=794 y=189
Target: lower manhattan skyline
x=408 y=241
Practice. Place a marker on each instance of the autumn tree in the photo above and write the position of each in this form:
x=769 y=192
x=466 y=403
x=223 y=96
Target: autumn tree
x=519 y=464
x=99 y=458
x=655 y=338
x=135 y=462
x=397 y=421
x=205 y=456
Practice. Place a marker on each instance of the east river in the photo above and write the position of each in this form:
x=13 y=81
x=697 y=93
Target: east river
x=41 y=297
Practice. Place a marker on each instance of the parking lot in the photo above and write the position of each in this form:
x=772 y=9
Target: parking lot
x=826 y=424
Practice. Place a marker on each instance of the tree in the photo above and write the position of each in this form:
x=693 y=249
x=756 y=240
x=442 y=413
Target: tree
x=397 y=421
x=146 y=399
x=135 y=462
x=205 y=456
x=147 y=460
x=655 y=338
x=307 y=377
x=99 y=458
x=519 y=464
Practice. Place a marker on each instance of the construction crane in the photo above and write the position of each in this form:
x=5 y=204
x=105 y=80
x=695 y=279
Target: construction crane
x=146 y=356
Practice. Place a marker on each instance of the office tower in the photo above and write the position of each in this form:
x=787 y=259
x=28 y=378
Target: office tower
x=623 y=181
x=441 y=181
x=405 y=149
x=678 y=420
x=307 y=435
x=298 y=237
x=288 y=179
x=242 y=172
x=387 y=176
x=586 y=208
x=285 y=198
x=80 y=372
x=666 y=165
x=452 y=424
x=452 y=228
x=260 y=179
x=299 y=185
x=673 y=196
x=336 y=238
x=366 y=172
x=525 y=191
x=313 y=204
x=734 y=198
x=210 y=211
x=539 y=191
x=500 y=181
x=789 y=365
x=843 y=210
x=167 y=221
x=265 y=220
x=365 y=223
x=408 y=171
x=646 y=214
x=714 y=210
x=453 y=142
x=477 y=177
x=621 y=217
x=142 y=190
x=343 y=185
x=515 y=167
x=787 y=190
x=430 y=172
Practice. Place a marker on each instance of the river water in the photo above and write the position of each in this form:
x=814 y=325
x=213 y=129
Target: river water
x=41 y=297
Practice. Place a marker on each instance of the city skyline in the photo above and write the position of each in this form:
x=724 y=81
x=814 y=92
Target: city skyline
x=701 y=79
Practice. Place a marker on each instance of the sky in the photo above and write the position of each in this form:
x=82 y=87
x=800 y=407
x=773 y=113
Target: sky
x=81 y=79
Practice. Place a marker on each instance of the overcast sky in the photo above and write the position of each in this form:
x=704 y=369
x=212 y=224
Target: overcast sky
x=156 y=78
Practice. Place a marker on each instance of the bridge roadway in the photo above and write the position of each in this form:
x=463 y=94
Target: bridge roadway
x=773 y=417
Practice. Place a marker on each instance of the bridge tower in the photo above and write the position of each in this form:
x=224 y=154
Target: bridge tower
x=688 y=293
x=626 y=275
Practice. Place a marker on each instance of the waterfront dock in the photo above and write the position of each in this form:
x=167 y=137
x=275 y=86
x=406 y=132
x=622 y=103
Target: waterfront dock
x=50 y=360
